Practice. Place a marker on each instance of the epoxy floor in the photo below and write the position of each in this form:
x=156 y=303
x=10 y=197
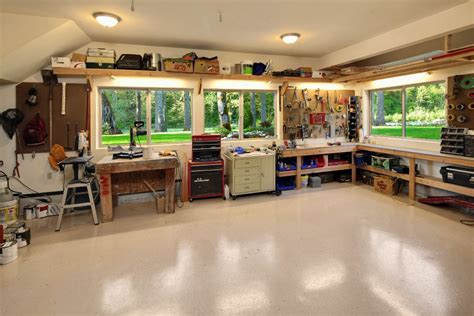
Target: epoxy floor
x=340 y=250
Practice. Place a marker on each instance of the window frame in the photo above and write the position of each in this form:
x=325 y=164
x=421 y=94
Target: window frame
x=402 y=89
x=147 y=112
x=241 y=111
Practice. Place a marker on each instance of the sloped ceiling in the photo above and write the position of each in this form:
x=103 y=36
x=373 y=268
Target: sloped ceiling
x=28 y=42
x=239 y=25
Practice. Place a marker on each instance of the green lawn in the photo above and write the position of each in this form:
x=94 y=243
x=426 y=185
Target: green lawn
x=424 y=132
x=157 y=138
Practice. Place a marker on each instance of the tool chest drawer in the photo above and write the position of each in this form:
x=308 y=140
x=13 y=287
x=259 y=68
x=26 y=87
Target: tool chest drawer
x=246 y=163
x=247 y=188
x=247 y=179
x=246 y=171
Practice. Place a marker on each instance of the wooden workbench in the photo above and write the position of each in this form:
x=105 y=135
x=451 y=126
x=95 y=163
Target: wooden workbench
x=300 y=152
x=411 y=154
x=125 y=176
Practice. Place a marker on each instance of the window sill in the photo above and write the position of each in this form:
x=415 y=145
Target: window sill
x=425 y=144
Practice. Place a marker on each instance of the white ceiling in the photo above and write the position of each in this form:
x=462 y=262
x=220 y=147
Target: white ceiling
x=247 y=26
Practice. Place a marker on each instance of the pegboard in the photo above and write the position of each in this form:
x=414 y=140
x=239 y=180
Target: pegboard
x=64 y=127
x=460 y=101
x=314 y=113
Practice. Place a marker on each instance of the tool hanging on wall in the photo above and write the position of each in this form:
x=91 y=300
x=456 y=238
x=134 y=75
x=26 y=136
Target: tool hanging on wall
x=32 y=99
x=305 y=97
x=63 y=99
x=16 y=170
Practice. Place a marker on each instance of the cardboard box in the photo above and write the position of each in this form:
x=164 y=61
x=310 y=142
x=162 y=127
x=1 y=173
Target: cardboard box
x=78 y=64
x=206 y=66
x=60 y=62
x=178 y=65
x=78 y=57
x=78 y=60
x=386 y=185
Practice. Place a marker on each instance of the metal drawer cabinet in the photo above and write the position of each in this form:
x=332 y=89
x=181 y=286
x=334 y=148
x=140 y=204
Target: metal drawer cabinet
x=250 y=174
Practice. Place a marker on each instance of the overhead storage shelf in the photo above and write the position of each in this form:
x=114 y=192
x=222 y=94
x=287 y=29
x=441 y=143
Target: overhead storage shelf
x=89 y=72
x=449 y=60
x=445 y=61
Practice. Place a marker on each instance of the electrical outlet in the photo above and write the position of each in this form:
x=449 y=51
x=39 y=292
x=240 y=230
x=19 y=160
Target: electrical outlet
x=50 y=175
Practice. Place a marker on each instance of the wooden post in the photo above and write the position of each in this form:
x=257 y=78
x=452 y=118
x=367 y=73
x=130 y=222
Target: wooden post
x=354 y=170
x=412 y=180
x=298 y=172
x=169 y=190
x=106 y=197
x=448 y=39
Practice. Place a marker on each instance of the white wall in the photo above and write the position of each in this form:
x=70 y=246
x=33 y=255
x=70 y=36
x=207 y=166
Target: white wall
x=449 y=21
x=28 y=42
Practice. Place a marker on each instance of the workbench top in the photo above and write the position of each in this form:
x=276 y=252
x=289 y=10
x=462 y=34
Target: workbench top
x=418 y=153
x=109 y=165
x=249 y=155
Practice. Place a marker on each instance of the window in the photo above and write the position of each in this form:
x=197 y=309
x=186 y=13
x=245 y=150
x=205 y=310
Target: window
x=259 y=114
x=237 y=115
x=410 y=112
x=387 y=113
x=170 y=115
x=221 y=114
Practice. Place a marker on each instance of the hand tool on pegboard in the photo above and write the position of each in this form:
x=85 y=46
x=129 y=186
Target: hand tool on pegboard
x=16 y=170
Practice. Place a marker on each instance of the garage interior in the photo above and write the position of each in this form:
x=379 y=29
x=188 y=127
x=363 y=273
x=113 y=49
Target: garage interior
x=220 y=158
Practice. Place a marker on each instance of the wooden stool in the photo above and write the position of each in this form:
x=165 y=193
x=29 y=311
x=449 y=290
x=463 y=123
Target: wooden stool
x=74 y=185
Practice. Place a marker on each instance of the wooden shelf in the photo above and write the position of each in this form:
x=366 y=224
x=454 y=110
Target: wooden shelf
x=438 y=183
x=327 y=169
x=286 y=173
x=436 y=63
x=385 y=172
x=90 y=72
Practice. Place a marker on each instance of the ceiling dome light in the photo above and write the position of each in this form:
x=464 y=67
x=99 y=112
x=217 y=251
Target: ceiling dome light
x=290 y=38
x=106 y=19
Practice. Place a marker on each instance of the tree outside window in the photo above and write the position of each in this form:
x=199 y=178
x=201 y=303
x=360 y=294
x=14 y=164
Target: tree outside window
x=171 y=115
x=223 y=110
x=411 y=112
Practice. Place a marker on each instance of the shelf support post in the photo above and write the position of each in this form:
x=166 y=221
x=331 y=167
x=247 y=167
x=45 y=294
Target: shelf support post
x=412 y=180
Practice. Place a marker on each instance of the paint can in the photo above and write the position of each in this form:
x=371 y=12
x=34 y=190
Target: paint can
x=53 y=209
x=9 y=211
x=246 y=67
x=225 y=68
x=29 y=212
x=41 y=210
x=8 y=252
x=23 y=236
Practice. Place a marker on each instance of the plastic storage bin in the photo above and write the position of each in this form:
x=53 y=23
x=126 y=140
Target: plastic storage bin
x=385 y=162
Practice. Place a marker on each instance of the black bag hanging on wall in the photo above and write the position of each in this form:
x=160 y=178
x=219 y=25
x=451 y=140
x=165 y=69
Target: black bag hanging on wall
x=10 y=119
x=34 y=133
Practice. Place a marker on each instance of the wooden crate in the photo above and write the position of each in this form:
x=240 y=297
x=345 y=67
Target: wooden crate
x=386 y=185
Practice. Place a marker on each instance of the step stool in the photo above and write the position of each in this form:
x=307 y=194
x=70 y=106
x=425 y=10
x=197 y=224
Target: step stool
x=74 y=184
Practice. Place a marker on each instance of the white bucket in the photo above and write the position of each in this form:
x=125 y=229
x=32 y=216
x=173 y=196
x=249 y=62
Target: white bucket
x=9 y=211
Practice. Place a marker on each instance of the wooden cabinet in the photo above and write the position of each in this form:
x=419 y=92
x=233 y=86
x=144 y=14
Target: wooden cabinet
x=250 y=174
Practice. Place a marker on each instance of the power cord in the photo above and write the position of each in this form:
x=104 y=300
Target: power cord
x=20 y=194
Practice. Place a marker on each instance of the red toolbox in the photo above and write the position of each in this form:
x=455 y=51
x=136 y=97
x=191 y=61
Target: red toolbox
x=205 y=179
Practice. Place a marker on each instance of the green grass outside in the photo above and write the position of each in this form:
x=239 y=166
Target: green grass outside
x=422 y=132
x=156 y=138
